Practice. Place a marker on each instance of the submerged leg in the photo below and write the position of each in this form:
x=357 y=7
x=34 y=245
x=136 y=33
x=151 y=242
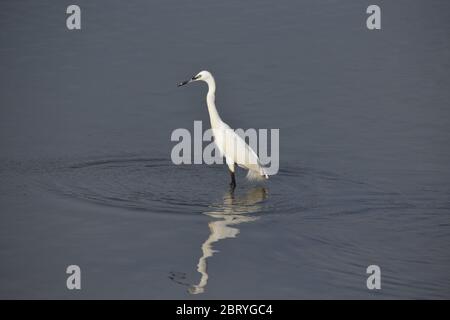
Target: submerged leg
x=230 y=164
x=233 y=180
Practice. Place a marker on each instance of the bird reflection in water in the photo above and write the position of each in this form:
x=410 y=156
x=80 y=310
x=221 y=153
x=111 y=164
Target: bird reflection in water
x=233 y=211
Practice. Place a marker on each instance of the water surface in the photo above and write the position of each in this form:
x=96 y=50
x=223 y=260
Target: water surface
x=86 y=177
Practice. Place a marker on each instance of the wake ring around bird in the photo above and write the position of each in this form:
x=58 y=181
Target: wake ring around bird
x=157 y=185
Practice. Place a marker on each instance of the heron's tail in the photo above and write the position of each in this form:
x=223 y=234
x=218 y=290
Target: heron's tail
x=259 y=175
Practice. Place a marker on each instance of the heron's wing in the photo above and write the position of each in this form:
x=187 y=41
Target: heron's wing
x=240 y=152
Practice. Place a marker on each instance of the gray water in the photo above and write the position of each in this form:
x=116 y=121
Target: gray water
x=85 y=170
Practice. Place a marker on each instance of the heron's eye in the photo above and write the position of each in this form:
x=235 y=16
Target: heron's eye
x=196 y=77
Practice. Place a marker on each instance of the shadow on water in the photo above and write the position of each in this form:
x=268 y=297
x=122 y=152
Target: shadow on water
x=227 y=216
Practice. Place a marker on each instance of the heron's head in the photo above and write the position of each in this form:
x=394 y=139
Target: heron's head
x=201 y=76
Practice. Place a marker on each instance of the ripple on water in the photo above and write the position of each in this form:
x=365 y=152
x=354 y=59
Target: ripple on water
x=157 y=185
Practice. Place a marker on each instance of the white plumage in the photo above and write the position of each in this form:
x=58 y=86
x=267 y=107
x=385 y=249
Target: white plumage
x=228 y=142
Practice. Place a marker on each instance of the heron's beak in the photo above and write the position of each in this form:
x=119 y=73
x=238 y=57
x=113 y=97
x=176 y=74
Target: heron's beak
x=188 y=81
x=184 y=82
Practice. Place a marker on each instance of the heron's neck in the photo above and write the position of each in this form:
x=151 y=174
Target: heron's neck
x=211 y=103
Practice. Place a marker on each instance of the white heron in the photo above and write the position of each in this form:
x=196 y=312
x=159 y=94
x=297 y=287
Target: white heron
x=228 y=142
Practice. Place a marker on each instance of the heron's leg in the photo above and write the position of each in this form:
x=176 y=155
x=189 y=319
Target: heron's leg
x=230 y=164
x=233 y=180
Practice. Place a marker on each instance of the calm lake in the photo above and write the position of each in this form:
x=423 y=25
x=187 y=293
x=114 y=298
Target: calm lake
x=86 y=176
